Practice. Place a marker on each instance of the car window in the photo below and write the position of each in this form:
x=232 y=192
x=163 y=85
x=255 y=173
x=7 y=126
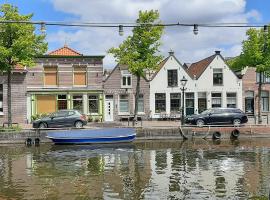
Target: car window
x=71 y=113
x=218 y=111
x=206 y=112
x=61 y=114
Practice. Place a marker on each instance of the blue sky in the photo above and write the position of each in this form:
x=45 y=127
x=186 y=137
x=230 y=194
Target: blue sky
x=187 y=47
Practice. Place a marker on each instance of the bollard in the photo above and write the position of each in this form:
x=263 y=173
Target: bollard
x=235 y=134
x=216 y=135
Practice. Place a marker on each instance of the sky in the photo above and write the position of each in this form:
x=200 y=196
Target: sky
x=188 y=47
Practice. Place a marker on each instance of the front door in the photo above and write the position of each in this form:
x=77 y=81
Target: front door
x=108 y=109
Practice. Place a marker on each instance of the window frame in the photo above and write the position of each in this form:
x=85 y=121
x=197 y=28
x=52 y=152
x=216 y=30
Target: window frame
x=218 y=73
x=163 y=109
x=141 y=98
x=172 y=78
x=50 y=72
x=78 y=99
x=119 y=103
x=59 y=99
x=78 y=71
x=127 y=75
x=92 y=99
x=174 y=98
x=230 y=98
x=1 y=97
x=216 y=98
x=265 y=99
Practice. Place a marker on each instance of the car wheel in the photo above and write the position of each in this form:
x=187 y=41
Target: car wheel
x=42 y=125
x=78 y=124
x=236 y=122
x=200 y=122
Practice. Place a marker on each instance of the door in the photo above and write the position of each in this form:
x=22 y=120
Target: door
x=109 y=108
x=58 y=119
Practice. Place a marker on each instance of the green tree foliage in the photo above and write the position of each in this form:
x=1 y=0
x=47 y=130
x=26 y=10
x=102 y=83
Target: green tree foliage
x=140 y=50
x=19 y=44
x=255 y=53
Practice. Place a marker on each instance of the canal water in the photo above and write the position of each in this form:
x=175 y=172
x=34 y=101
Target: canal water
x=197 y=169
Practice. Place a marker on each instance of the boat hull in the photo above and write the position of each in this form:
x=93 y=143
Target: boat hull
x=93 y=136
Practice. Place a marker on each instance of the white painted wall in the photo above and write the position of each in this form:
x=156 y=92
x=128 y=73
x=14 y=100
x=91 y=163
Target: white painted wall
x=159 y=84
x=231 y=83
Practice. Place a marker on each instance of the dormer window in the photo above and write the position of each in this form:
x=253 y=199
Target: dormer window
x=172 y=78
x=126 y=81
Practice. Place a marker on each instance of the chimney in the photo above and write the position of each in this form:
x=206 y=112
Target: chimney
x=217 y=52
x=171 y=52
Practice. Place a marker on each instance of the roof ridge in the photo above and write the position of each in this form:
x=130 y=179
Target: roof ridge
x=62 y=48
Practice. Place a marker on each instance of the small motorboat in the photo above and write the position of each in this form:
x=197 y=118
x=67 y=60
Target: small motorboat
x=91 y=136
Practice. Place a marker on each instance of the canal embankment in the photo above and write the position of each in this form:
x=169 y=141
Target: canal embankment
x=152 y=133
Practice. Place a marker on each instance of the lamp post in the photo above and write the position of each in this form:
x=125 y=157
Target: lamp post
x=183 y=83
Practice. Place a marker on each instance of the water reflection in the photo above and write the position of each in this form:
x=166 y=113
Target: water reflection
x=197 y=169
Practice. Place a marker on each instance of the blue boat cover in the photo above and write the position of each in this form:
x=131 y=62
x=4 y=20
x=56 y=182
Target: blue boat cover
x=93 y=133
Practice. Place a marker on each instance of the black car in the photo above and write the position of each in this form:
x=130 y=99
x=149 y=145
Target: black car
x=218 y=116
x=62 y=118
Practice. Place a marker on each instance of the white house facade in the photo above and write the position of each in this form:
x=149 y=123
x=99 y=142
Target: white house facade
x=165 y=92
x=210 y=83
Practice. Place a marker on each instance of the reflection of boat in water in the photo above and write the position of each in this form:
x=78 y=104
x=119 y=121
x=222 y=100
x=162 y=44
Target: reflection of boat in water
x=92 y=136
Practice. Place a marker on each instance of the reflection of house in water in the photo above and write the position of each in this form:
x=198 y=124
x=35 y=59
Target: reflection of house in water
x=119 y=173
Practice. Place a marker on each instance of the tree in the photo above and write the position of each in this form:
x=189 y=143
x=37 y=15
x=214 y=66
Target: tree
x=255 y=53
x=19 y=45
x=140 y=50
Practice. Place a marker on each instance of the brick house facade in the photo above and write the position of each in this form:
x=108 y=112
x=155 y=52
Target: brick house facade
x=250 y=92
x=65 y=79
x=18 y=97
x=120 y=89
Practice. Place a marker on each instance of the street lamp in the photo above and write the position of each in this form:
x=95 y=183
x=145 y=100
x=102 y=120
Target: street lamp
x=183 y=83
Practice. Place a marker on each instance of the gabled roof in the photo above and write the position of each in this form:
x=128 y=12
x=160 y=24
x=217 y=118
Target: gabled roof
x=162 y=63
x=197 y=68
x=65 y=51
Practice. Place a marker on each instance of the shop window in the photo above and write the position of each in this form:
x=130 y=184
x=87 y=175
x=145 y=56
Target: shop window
x=62 y=102
x=160 y=102
x=78 y=102
x=93 y=103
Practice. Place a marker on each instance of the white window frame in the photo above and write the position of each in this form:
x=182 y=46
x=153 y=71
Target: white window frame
x=138 y=104
x=88 y=99
x=221 y=98
x=123 y=113
x=231 y=98
x=126 y=74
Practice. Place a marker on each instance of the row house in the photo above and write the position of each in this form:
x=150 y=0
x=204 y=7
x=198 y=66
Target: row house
x=65 y=79
x=250 y=91
x=210 y=84
x=18 y=98
x=119 y=91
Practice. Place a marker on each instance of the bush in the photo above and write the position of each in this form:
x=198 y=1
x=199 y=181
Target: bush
x=90 y=119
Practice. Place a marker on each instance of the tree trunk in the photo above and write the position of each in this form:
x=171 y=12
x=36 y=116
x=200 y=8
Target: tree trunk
x=137 y=99
x=260 y=98
x=9 y=98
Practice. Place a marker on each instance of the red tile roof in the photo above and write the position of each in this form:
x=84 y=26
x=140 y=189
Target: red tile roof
x=197 y=68
x=65 y=51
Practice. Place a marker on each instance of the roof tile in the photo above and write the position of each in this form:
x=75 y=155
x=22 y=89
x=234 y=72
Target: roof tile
x=65 y=51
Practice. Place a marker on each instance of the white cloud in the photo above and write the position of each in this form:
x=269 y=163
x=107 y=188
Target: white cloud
x=187 y=47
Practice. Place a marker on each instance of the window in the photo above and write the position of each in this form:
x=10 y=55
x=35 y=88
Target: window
x=123 y=103
x=217 y=77
x=62 y=101
x=216 y=100
x=1 y=99
x=160 y=102
x=78 y=102
x=79 y=76
x=126 y=79
x=202 y=102
x=231 y=100
x=50 y=76
x=175 y=101
x=189 y=103
x=172 y=78
x=249 y=102
x=141 y=104
x=264 y=77
x=93 y=103
x=265 y=101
